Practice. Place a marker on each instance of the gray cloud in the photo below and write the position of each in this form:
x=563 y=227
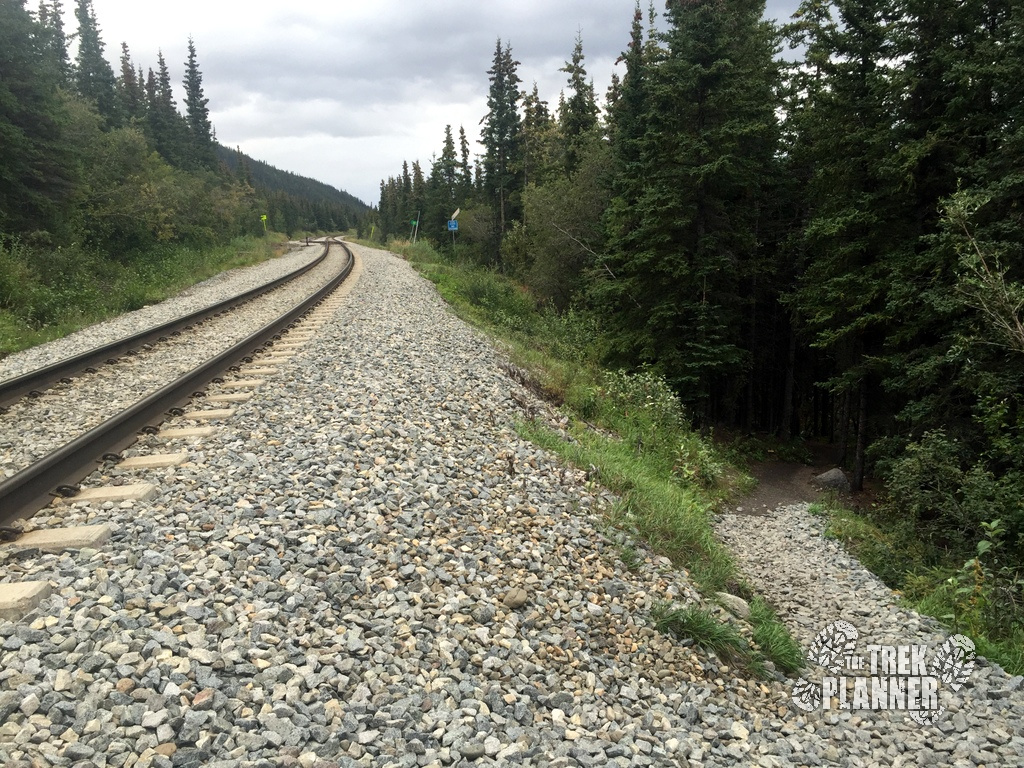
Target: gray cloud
x=345 y=91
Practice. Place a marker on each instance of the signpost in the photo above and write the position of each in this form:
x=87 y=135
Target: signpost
x=415 y=224
x=453 y=225
x=263 y=218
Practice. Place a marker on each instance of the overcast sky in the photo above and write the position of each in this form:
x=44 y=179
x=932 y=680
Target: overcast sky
x=344 y=91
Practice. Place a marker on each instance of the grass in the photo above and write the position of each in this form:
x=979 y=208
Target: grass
x=706 y=631
x=631 y=432
x=48 y=294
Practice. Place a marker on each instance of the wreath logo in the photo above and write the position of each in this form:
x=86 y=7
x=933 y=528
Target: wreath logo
x=892 y=677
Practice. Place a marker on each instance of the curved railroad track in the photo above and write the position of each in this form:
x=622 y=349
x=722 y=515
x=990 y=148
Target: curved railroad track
x=35 y=382
x=114 y=403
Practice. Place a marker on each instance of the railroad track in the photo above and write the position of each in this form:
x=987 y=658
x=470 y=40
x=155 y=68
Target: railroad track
x=34 y=383
x=58 y=472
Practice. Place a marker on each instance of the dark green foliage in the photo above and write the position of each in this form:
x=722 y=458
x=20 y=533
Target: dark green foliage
x=131 y=88
x=443 y=191
x=93 y=76
x=502 y=163
x=36 y=169
x=684 y=227
x=197 y=114
x=167 y=128
x=562 y=233
x=55 y=41
x=540 y=139
x=579 y=116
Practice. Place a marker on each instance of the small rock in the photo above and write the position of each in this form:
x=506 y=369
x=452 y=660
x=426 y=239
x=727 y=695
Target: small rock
x=473 y=751
x=516 y=598
x=737 y=606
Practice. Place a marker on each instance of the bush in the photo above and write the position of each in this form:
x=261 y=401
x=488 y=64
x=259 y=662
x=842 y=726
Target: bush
x=929 y=484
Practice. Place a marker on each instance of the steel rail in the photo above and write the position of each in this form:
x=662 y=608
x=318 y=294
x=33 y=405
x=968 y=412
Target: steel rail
x=32 y=488
x=33 y=382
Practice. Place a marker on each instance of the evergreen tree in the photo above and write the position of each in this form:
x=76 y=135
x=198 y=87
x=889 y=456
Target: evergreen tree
x=539 y=140
x=502 y=172
x=682 y=260
x=35 y=176
x=859 y=224
x=51 y=18
x=627 y=128
x=465 y=171
x=579 y=117
x=94 y=77
x=419 y=192
x=131 y=88
x=167 y=128
x=442 y=189
x=197 y=115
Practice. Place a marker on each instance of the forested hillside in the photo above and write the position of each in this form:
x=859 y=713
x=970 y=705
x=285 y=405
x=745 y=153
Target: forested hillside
x=295 y=202
x=829 y=248
x=110 y=192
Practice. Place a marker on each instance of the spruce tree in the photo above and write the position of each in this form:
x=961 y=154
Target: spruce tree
x=130 y=88
x=579 y=116
x=681 y=259
x=859 y=223
x=443 y=186
x=502 y=171
x=35 y=163
x=51 y=18
x=465 y=171
x=93 y=75
x=539 y=140
x=197 y=114
x=167 y=128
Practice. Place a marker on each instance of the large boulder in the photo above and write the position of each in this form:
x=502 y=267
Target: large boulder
x=834 y=480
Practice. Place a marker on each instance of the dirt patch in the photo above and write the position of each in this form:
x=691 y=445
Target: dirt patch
x=778 y=484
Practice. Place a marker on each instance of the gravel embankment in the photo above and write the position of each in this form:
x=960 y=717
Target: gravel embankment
x=367 y=566
x=813 y=581
x=33 y=427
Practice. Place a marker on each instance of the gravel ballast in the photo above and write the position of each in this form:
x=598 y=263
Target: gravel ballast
x=33 y=427
x=367 y=566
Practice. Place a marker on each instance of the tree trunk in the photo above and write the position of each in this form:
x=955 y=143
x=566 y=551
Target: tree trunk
x=786 y=427
x=844 y=429
x=857 y=483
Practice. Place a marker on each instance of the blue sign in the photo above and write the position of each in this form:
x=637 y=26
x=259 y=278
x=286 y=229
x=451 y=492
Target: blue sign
x=453 y=225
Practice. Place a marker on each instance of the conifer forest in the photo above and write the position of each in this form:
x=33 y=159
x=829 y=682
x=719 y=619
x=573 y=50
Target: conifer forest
x=812 y=230
x=109 y=161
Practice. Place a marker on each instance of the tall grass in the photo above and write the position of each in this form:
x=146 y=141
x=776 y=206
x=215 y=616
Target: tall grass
x=49 y=293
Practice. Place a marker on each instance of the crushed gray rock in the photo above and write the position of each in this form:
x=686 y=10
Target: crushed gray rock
x=330 y=581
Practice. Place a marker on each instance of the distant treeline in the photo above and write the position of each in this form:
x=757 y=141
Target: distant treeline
x=105 y=159
x=830 y=248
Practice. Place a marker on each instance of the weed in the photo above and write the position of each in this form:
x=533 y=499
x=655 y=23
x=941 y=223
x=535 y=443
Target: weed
x=773 y=639
x=706 y=631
